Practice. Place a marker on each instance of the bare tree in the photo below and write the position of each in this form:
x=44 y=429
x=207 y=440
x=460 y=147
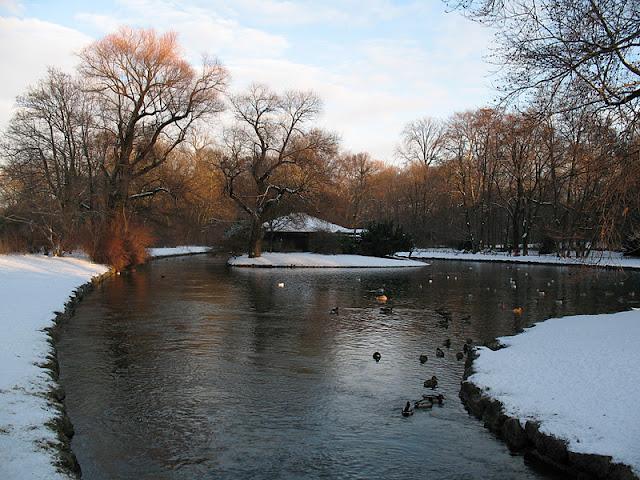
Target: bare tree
x=422 y=142
x=149 y=96
x=357 y=170
x=272 y=152
x=48 y=158
x=586 y=49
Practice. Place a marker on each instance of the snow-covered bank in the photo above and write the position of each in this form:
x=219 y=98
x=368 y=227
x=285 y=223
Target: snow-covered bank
x=578 y=377
x=316 y=260
x=32 y=287
x=599 y=259
x=175 y=251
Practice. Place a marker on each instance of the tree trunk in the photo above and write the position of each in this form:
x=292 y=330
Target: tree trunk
x=255 y=241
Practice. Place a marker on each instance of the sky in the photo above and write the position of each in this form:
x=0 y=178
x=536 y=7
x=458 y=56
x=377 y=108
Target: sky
x=377 y=64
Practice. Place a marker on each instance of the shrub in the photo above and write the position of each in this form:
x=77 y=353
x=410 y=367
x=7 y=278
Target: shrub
x=384 y=238
x=119 y=243
x=325 y=242
x=631 y=244
x=547 y=246
x=235 y=238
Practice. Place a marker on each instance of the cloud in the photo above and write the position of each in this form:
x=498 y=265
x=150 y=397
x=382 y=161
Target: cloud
x=27 y=47
x=201 y=30
x=14 y=7
x=396 y=62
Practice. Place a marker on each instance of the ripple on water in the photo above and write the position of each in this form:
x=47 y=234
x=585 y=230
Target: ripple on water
x=187 y=369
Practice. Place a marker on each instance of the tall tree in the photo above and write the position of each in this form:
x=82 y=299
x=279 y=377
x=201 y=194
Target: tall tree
x=48 y=153
x=272 y=152
x=149 y=97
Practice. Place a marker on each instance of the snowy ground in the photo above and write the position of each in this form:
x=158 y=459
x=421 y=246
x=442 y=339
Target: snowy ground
x=316 y=260
x=32 y=287
x=579 y=376
x=173 y=251
x=602 y=259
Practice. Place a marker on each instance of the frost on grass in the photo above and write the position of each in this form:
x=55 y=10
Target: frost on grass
x=578 y=376
x=31 y=289
x=316 y=260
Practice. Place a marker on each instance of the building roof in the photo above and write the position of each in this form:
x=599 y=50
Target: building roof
x=303 y=223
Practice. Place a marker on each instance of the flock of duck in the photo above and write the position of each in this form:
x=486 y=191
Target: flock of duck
x=428 y=400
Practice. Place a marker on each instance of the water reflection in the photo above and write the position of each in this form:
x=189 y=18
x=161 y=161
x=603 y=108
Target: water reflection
x=188 y=369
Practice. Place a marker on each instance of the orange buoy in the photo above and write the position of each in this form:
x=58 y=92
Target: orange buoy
x=382 y=298
x=518 y=310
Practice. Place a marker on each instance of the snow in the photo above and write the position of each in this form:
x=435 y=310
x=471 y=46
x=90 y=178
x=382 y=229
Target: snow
x=317 y=260
x=174 y=251
x=578 y=376
x=32 y=287
x=597 y=258
x=303 y=223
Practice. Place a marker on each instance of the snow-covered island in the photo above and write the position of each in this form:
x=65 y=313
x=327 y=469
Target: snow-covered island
x=176 y=251
x=32 y=287
x=577 y=379
x=317 y=260
x=595 y=259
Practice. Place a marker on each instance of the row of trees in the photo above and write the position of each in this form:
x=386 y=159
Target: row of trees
x=488 y=178
x=109 y=156
x=132 y=147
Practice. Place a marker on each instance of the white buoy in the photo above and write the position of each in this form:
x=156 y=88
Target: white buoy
x=281 y=285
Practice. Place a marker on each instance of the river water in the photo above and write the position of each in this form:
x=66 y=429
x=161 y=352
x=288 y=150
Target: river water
x=188 y=369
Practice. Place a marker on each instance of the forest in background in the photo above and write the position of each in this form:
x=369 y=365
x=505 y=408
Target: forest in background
x=138 y=147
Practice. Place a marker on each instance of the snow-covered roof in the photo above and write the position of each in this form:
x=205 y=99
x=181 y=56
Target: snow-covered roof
x=303 y=223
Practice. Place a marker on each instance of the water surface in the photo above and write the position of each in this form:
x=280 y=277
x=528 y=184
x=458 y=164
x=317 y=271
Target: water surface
x=188 y=369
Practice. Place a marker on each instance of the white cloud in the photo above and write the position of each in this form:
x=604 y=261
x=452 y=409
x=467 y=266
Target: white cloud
x=14 y=7
x=27 y=47
x=201 y=30
x=371 y=86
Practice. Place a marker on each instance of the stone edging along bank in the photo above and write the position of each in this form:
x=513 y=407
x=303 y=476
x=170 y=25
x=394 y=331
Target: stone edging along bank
x=530 y=441
x=62 y=425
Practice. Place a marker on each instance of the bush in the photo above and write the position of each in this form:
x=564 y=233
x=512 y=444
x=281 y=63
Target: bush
x=325 y=242
x=119 y=243
x=631 y=244
x=235 y=239
x=385 y=238
x=547 y=246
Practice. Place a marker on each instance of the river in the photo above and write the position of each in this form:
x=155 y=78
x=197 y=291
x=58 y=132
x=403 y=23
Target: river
x=188 y=369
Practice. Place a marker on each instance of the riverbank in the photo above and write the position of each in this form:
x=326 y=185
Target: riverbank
x=36 y=293
x=317 y=260
x=34 y=290
x=606 y=259
x=565 y=392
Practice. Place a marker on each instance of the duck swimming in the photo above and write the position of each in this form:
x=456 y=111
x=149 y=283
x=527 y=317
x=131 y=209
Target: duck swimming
x=459 y=356
x=447 y=343
x=439 y=398
x=407 y=410
x=423 y=358
x=431 y=383
x=377 y=356
x=439 y=353
x=424 y=403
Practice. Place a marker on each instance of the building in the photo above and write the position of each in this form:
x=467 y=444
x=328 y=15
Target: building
x=300 y=232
